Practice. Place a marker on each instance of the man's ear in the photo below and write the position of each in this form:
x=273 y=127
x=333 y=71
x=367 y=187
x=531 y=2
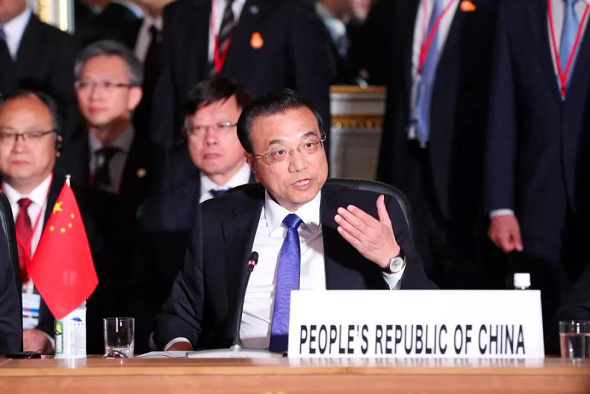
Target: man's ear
x=58 y=145
x=135 y=95
x=251 y=160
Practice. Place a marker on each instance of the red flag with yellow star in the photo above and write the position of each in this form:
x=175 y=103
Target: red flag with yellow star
x=62 y=268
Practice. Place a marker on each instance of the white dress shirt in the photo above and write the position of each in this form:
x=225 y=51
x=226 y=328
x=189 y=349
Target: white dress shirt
x=144 y=37
x=240 y=178
x=36 y=212
x=118 y=161
x=335 y=26
x=38 y=196
x=14 y=30
x=422 y=19
x=218 y=8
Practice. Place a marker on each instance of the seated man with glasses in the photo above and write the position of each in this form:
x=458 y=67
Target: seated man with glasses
x=30 y=143
x=307 y=235
x=217 y=164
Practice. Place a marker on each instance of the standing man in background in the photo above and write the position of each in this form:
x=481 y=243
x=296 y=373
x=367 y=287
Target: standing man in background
x=35 y=55
x=533 y=173
x=439 y=66
x=263 y=45
x=340 y=17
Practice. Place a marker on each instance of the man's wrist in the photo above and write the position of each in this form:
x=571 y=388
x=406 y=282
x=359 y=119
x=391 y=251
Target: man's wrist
x=396 y=263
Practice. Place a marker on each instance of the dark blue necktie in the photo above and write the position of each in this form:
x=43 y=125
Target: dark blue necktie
x=424 y=94
x=217 y=193
x=287 y=280
x=569 y=31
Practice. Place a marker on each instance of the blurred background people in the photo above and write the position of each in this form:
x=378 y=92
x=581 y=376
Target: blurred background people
x=539 y=96
x=342 y=20
x=29 y=145
x=217 y=159
x=35 y=55
x=438 y=54
x=263 y=45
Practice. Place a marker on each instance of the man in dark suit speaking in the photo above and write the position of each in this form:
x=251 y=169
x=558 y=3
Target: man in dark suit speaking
x=308 y=236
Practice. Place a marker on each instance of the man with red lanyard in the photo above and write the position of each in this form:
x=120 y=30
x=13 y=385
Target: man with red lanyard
x=264 y=45
x=438 y=63
x=28 y=138
x=540 y=86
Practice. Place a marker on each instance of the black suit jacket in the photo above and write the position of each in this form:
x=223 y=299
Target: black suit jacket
x=45 y=62
x=166 y=225
x=205 y=296
x=11 y=328
x=533 y=146
x=458 y=108
x=115 y=22
x=139 y=175
x=293 y=55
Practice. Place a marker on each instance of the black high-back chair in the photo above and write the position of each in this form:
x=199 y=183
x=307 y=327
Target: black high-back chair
x=7 y=224
x=359 y=184
x=379 y=188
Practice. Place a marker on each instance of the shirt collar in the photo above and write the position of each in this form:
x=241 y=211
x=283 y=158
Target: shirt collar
x=149 y=21
x=15 y=27
x=309 y=213
x=335 y=26
x=240 y=178
x=122 y=142
x=237 y=3
x=38 y=195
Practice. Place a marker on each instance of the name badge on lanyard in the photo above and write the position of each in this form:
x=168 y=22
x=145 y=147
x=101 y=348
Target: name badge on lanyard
x=31 y=306
x=563 y=74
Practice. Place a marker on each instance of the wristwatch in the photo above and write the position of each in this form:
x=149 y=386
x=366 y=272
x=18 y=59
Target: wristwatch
x=396 y=263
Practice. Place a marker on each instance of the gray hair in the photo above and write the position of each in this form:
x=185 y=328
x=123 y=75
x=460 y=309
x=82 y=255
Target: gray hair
x=111 y=48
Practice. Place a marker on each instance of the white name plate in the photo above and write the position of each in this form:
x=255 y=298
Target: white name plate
x=416 y=323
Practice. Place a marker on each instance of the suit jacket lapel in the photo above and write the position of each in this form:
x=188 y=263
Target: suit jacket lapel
x=541 y=40
x=196 y=33
x=243 y=220
x=249 y=19
x=408 y=40
x=453 y=41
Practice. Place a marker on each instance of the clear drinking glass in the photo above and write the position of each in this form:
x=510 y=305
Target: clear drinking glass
x=574 y=337
x=119 y=337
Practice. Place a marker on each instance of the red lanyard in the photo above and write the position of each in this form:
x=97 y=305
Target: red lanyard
x=26 y=246
x=218 y=57
x=563 y=74
x=427 y=41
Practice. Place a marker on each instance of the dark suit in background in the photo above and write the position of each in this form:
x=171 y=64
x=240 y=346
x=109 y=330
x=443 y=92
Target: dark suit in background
x=533 y=150
x=444 y=181
x=204 y=298
x=11 y=325
x=292 y=55
x=115 y=22
x=44 y=62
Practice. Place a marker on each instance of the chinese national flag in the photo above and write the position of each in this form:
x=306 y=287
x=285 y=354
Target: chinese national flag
x=62 y=267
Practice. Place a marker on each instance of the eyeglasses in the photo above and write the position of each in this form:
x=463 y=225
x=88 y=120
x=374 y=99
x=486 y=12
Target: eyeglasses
x=105 y=86
x=280 y=155
x=221 y=128
x=33 y=136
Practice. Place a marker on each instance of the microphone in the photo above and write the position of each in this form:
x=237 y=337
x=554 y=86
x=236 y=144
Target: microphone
x=236 y=351
x=252 y=261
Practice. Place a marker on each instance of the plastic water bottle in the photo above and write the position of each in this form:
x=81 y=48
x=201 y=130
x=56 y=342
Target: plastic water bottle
x=522 y=281
x=70 y=334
